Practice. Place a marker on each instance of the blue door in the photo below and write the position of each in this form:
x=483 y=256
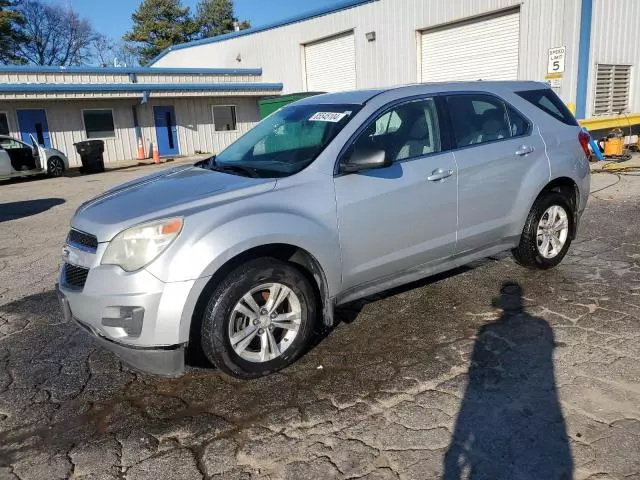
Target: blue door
x=34 y=122
x=166 y=131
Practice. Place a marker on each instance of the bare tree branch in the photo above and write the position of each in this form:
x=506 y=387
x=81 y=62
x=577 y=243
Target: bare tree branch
x=55 y=35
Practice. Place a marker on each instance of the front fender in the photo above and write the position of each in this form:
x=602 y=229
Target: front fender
x=203 y=256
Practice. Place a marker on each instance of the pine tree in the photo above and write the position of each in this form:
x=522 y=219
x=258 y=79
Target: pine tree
x=11 y=36
x=215 y=17
x=159 y=24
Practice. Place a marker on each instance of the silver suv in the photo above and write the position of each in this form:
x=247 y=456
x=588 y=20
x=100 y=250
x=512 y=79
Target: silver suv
x=330 y=199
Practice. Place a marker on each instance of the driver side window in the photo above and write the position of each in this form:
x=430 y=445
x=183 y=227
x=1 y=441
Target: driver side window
x=405 y=131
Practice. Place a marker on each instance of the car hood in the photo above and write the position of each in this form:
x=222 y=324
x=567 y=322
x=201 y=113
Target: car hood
x=176 y=191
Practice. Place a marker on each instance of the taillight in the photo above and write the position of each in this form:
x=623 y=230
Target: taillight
x=583 y=138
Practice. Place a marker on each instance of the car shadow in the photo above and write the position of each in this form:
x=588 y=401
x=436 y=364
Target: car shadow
x=510 y=423
x=26 y=208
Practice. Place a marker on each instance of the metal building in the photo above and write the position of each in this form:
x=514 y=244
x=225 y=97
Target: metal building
x=588 y=50
x=179 y=111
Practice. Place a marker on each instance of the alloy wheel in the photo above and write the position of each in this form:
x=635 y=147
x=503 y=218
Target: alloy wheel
x=264 y=322
x=553 y=231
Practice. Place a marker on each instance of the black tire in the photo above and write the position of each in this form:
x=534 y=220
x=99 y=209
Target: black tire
x=527 y=253
x=55 y=167
x=214 y=336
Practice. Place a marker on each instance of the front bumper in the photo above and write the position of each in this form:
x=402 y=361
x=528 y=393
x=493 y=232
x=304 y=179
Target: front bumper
x=166 y=361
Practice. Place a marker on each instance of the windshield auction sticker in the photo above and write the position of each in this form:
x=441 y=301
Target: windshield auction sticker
x=334 y=117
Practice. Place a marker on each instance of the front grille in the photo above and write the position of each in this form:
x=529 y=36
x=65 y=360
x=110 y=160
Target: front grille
x=83 y=239
x=74 y=277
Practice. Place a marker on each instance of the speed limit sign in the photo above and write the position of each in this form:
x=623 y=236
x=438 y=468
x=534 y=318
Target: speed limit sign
x=556 y=60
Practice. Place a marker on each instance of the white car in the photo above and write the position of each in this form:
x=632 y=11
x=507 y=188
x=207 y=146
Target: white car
x=18 y=159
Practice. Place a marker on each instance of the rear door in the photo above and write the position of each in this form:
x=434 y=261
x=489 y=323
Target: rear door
x=496 y=151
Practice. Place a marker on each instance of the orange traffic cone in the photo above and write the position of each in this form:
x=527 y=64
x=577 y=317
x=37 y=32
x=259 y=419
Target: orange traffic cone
x=140 y=149
x=156 y=154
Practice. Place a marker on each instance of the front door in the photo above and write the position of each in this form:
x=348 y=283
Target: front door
x=166 y=131
x=394 y=219
x=34 y=122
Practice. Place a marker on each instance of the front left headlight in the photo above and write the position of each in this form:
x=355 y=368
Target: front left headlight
x=138 y=246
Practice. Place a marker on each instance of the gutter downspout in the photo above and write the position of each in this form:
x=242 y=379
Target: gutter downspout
x=584 y=51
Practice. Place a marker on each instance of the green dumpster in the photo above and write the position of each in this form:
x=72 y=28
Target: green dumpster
x=269 y=105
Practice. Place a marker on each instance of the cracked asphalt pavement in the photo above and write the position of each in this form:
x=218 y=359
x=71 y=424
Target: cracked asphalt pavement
x=444 y=378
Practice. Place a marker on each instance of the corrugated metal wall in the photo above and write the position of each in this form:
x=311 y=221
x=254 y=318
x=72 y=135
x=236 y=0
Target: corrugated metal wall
x=193 y=117
x=392 y=59
x=615 y=39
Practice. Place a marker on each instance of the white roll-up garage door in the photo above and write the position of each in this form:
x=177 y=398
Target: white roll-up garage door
x=331 y=64
x=484 y=49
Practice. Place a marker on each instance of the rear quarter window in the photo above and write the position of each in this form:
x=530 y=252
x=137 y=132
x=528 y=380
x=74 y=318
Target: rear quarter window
x=547 y=101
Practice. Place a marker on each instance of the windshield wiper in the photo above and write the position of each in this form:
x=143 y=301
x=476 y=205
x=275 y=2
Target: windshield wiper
x=227 y=168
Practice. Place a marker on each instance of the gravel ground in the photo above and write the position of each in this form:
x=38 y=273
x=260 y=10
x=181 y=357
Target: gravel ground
x=442 y=378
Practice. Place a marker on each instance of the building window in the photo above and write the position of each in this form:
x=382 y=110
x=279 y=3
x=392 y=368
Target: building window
x=99 y=123
x=224 y=118
x=612 y=89
x=4 y=124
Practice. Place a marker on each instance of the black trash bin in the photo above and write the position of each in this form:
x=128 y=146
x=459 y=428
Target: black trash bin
x=91 y=153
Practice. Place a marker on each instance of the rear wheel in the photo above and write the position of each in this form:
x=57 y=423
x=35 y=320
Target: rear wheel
x=55 y=167
x=259 y=318
x=547 y=233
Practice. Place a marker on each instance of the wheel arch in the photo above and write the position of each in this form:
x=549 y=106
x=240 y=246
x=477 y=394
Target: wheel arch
x=567 y=187
x=286 y=252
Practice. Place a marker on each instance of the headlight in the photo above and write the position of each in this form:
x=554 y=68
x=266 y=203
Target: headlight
x=138 y=246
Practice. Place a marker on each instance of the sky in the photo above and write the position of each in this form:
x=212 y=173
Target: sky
x=113 y=17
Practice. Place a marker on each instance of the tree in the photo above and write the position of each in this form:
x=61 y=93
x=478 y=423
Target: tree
x=159 y=24
x=216 y=17
x=109 y=53
x=55 y=35
x=11 y=37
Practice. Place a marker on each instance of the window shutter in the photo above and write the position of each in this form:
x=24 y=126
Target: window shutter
x=612 y=89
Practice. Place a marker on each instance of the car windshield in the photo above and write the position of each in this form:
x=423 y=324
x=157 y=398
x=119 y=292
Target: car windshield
x=285 y=142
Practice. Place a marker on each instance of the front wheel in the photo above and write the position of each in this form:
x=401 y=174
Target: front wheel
x=546 y=236
x=259 y=318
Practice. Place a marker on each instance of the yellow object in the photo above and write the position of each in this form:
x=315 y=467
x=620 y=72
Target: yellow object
x=609 y=123
x=613 y=146
x=572 y=108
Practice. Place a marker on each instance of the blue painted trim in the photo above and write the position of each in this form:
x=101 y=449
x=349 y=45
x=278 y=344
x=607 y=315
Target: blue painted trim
x=137 y=87
x=131 y=71
x=344 y=5
x=584 y=51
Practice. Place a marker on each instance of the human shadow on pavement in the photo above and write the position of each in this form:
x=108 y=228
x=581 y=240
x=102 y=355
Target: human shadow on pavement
x=510 y=424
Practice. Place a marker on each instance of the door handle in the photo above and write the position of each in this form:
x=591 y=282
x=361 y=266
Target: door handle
x=524 y=150
x=439 y=174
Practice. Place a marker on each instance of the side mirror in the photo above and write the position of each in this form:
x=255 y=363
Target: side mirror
x=365 y=159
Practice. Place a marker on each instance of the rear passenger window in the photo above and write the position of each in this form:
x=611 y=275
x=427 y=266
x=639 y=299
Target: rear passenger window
x=517 y=123
x=478 y=119
x=547 y=101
